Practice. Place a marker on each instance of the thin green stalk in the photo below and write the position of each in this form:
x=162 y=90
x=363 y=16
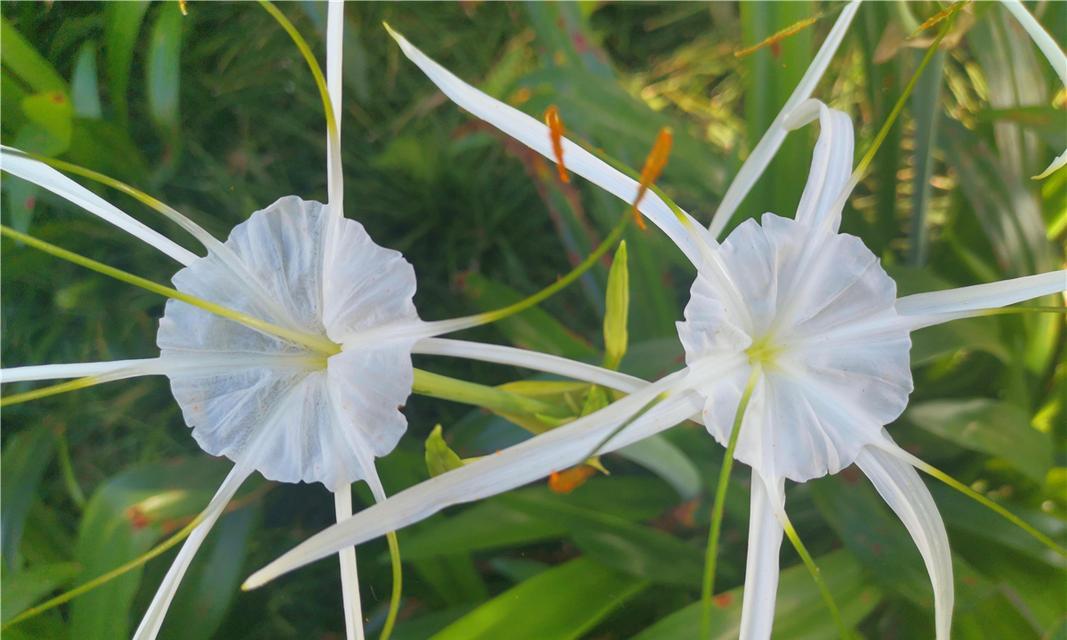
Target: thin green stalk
x=316 y=343
x=434 y=385
x=996 y=508
x=816 y=575
x=398 y=585
x=63 y=453
x=51 y=390
x=719 y=507
x=107 y=577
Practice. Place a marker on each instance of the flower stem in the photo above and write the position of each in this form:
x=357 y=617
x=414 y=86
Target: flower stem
x=719 y=507
x=315 y=343
x=398 y=585
x=816 y=574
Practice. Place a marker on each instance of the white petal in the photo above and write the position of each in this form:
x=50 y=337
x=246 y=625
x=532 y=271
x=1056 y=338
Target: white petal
x=113 y=370
x=535 y=458
x=153 y=617
x=335 y=28
x=1041 y=38
x=530 y=360
x=761 y=568
x=535 y=135
x=831 y=162
x=353 y=608
x=902 y=489
x=371 y=386
x=772 y=139
x=45 y=176
x=924 y=309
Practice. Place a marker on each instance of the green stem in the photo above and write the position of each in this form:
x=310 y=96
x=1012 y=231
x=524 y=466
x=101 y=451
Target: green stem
x=816 y=575
x=398 y=577
x=316 y=343
x=719 y=507
x=434 y=385
x=996 y=508
x=63 y=453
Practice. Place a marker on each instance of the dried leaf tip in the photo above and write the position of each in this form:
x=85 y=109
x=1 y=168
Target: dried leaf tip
x=555 y=134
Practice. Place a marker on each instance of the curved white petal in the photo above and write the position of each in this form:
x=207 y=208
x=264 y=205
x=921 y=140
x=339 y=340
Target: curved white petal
x=903 y=490
x=772 y=139
x=350 y=600
x=831 y=162
x=45 y=176
x=935 y=307
x=335 y=28
x=529 y=360
x=535 y=135
x=157 y=610
x=761 y=568
x=535 y=458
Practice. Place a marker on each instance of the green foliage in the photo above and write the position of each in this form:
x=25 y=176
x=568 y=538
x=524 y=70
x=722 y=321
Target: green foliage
x=215 y=114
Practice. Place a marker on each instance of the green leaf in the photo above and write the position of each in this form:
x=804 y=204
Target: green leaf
x=26 y=456
x=53 y=114
x=560 y=603
x=665 y=459
x=84 y=89
x=617 y=306
x=23 y=60
x=925 y=104
x=439 y=457
x=23 y=589
x=123 y=519
x=163 y=69
x=988 y=426
x=799 y=613
x=121 y=27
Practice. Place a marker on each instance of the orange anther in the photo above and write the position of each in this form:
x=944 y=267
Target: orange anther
x=555 y=134
x=654 y=164
x=183 y=7
x=570 y=479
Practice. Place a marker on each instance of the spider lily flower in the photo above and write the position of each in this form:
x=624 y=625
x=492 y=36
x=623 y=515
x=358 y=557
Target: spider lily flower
x=789 y=317
x=288 y=346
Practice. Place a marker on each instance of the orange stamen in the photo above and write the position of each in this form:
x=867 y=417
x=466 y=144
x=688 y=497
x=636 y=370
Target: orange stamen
x=183 y=7
x=654 y=164
x=570 y=479
x=555 y=133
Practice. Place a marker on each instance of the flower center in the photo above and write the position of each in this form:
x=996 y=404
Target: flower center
x=763 y=352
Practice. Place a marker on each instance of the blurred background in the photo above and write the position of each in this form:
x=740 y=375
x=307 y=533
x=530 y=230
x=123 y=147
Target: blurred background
x=216 y=114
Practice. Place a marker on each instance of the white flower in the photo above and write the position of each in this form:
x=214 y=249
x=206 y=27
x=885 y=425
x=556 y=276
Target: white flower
x=809 y=308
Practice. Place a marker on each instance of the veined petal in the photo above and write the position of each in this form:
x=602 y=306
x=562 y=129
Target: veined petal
x=761 y=568
x=831 y=162
x=772 y=139
x=935 y=307
x=535 y=458
x=902 y=489
x=530 y=360
x=45 y=176
x=153 y=618
x=535 y=135
x=335 y=28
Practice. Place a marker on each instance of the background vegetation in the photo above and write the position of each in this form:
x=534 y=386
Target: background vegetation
x=216 y=114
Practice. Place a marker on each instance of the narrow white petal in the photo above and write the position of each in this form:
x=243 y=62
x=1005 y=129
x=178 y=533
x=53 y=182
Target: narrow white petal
x=761 y=569
x=831 y=162
x=335 y=27
x=45 y=176
x=120 y=368
x=157 y=610
x=1041 y=38
x=902 y=489
x=530 y=360
x=535 y=135
x=342 y=500
x=496 y=473
x=935 y=307
x=769 y=144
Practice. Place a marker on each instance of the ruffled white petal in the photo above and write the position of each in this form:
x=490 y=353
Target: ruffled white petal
x=157 y=610
x=287 y=400
x=535 y=458
x=535 y=135
x=831 y=163
x=530 y=360
x=902 y=489
x=935 y=307
x=772 y=139
x=761 y=568
x=45 y=176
